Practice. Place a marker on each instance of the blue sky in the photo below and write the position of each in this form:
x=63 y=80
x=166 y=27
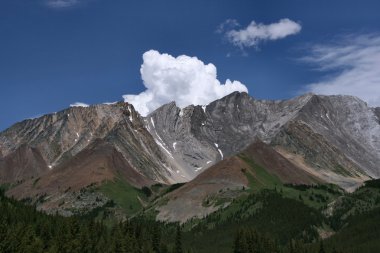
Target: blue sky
x=54 y=53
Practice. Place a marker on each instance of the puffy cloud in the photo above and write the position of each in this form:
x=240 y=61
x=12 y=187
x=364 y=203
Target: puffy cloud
x=79 y=104
x=185 y=80
x=60 y=4
x=354 y=61
x=255 y=33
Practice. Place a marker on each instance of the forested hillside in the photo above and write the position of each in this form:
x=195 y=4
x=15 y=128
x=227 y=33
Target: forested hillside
x=286 y=220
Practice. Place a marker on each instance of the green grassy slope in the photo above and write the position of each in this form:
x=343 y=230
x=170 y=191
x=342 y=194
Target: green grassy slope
x=124 y=195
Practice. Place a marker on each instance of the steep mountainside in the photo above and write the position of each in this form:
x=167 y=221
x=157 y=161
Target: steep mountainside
x=198 y=136
x=333 y=139
x=34 y=147
x=257 y=167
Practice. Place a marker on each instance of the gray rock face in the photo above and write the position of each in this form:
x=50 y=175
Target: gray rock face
x=334 y=137
x=348 y=124
x=61 y=136
x=196 y=137
x=377 y=113
x=345 y=133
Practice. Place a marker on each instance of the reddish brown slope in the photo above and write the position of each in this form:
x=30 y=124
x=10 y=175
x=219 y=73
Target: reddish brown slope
x=226 y=180
x=276 y=164
x=25 y=162
x=97 y=163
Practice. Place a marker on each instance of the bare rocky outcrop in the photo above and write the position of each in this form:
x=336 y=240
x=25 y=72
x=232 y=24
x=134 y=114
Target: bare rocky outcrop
x=337 y=136
x=335 y=139
x=59 y=137
x=197 y=137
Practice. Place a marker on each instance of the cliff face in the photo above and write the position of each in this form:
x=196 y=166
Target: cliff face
x=335 y=139
x=49 y=141
x=197 y=137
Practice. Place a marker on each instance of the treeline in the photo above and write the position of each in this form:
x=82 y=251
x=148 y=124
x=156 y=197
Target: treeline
x=23 y=229
x=282 y=225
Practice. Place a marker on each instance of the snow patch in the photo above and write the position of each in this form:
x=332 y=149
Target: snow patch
x=50 y=166
x=181 y=112
x=167 y=167
x=78 y=134
x=177 y=171
x=162 y=146
x=204 y=108
x=130 y=114
x=209 y=162
x=151 y=120
x=174 y=144
x=221 y=153
x=198 y=169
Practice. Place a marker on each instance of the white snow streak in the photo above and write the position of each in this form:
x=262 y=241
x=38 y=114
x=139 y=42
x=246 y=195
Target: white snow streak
x=221 y=154
x=167 y=151
x=130 y=114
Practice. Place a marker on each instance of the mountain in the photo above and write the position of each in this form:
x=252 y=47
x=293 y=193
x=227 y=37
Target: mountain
x=337 y=138
x=66 y=156
x=57 y=138
x=257 y=167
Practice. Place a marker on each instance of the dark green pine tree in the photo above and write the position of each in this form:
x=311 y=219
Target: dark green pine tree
x=321 y=248
x=156 y=238
x=178 y=241
x=240 y=243
x=3 y=233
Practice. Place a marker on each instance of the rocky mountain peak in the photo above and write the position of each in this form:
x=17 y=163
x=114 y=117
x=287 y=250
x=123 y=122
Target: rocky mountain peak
x=172 y=144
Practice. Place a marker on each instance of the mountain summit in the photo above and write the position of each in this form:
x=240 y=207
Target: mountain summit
x=333 y=139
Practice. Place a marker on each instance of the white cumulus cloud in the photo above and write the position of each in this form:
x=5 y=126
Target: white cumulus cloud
x=255 y=33
x=354 y=61
x=185 y=80
x=79 y=104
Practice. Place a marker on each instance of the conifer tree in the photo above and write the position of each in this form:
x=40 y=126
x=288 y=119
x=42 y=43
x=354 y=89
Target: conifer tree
x=178 y=241
x=321 y=248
